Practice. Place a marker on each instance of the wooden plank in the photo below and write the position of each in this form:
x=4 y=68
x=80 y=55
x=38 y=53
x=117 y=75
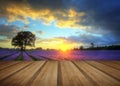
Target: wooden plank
x=47 y=76
x=72 y=76
x=12 y=69
x=22 y=77
x=59 y=73
x=108 y=70
x=116 y=62
x=111 y=64
x=101 y=78
x=6 y=64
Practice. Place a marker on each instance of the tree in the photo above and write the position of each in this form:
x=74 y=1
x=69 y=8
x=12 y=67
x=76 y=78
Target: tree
x=92 y=45
x=81 y=47
x=23 y=39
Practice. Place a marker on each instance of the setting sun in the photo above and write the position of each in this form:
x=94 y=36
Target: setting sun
x=64 y=47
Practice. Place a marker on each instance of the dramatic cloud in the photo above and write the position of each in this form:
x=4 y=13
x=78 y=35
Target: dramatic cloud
x=101 y=14
x=8 y=31
x=44 y=11
x=57 y=43
x=97 y=16
x=86 y=39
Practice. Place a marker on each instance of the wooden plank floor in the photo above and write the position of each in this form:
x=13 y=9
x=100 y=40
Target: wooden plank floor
x=60 y=73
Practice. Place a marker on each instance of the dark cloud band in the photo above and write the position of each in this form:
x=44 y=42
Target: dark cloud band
x=99 y=14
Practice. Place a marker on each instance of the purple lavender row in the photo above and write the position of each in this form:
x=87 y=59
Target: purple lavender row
x=6 y=54
x=40 y=54
x=13 y=57
x=36 y=55
x=45 y=54
x=6 y=51
x=26 y=57
x=78 y=55
x=95 y=55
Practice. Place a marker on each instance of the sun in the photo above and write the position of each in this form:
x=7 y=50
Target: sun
x=64 y=47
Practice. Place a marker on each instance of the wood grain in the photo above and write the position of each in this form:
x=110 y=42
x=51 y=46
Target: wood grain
x=71 y=76
x=22 y=77
x=111 y=64
x=5 y=64
x=60 y=73
x=106 y=69
x=97 y=75
x=47 y=76
x=6 y=73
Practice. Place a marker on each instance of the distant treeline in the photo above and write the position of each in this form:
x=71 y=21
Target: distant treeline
x=111 y=47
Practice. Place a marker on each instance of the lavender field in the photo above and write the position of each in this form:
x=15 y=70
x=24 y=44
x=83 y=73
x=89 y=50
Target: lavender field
x=6 y=55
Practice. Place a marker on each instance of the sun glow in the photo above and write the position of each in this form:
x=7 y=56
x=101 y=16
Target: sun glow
x=64 y=47
x=61 y=44
x=65 y=54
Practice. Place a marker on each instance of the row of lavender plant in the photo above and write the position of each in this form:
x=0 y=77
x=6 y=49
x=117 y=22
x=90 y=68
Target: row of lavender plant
x=44 y=55
x=57 y=55
x=36 y=55
x=4 y=53
x=48 y=54
x=12 y=57
x=94 y=55
x=77 y=55
x=26 y=57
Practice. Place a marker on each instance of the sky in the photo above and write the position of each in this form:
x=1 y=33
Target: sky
x=61 y=24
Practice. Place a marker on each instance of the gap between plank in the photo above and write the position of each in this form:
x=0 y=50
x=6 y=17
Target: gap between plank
x=87 y=76
x=108 y=65
x=59 y=75
x=104 y=72
x=35 y=75
x=9 y=66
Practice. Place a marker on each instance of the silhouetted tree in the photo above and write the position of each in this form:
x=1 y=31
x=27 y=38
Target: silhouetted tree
x=81 y=47
x=23 y=39
x=92 y=45
x=39 y=48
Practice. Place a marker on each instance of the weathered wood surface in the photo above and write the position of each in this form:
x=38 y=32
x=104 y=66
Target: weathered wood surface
x=60 y=73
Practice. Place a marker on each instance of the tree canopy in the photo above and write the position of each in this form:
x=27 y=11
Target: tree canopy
x=23 y=39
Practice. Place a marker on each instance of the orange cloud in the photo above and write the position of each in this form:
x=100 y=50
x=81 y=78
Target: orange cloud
x=56 y=43
x=63 y=18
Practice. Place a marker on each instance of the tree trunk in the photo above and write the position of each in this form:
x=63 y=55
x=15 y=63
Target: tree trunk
x=22 y=48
